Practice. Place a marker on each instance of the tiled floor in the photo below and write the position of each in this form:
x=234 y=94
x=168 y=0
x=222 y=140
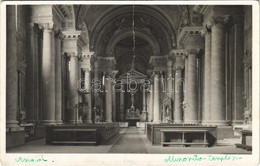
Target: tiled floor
x=130 y=140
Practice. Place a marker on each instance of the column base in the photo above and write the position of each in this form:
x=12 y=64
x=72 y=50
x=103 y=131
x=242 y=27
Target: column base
x=15 y=137
x=218 y=122
x=206 y=122
x=191 y=121
x=31 y=121
x=177 y=121
x=237 y=122
x=224 y=131
x=88 y=121
x=12 y=124
x=108 y=121
x=59 y=122
x=72 y=121
x=48 y=122
x=156 y=121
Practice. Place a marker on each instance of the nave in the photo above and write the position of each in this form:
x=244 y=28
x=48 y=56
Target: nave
x=87 y=71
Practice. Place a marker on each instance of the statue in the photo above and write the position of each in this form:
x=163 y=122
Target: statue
x=167 y=115
x=137 y=113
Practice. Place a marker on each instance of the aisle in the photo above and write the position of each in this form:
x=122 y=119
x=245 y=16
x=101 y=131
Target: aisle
x=130 y=142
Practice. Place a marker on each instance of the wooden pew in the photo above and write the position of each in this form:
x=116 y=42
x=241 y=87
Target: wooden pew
x=83 y=134
x=75 y=136
x=184 y=138
x=153 y=132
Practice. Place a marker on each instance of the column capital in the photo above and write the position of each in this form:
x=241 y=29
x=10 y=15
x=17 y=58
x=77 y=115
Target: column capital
x=193 y=51
x=150 y=73
x=47 y=26
x=205 y=31
x=179 y=59
x=178 y=67
x=157 y=72
x=86 y=69
x=72 y=54
x=218 y=20
x=179 y=64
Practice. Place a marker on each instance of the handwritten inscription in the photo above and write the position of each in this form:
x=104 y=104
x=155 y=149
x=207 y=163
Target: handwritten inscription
x=195 y=158
x=26 y=160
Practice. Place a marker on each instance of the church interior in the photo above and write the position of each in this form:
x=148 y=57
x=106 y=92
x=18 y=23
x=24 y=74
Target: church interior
x=129 y=78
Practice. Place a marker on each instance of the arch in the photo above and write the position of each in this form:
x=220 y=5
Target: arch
x=128 y=32
x=163 y=22
x=143 y=57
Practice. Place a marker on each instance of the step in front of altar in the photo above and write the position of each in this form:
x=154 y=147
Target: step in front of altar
x=123 y=124
x=141 y=124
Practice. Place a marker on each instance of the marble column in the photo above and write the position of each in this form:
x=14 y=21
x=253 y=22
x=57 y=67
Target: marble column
x=114 y=98
x=186 y=73
x=147 y=98
x=144 y=112
x=156 y=106
x=144 y=101
x=122 y=105
x=206 y=114
x=170 y=79
x=48 y=75
x=191 y=111
x=88 y=111
x=108 y=92
x=30 y=74
x=96 y=77
x=11 y=70
x=218 y=113
x=58 y=82
x=238 y=107
x=73 y=88
x=178 y=98
x=150 y=113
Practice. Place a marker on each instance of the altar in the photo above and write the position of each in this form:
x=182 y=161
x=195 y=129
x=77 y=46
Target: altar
x=132 y=116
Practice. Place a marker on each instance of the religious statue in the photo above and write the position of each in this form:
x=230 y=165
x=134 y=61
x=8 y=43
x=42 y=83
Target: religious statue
x=137 y=113
x=81 y=113
x=167 y=115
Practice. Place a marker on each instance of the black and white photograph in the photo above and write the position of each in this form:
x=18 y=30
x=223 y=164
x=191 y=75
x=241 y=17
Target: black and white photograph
x=129 y=82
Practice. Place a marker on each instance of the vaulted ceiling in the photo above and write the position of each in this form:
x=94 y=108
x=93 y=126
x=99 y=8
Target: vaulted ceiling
x=111 y=33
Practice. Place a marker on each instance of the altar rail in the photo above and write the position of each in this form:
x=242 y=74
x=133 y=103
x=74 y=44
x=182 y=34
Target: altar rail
x=155 y=131
x=84 y=134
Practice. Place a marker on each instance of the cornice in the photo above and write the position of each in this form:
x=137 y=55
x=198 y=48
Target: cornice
x=179 y=52
x=107 y=60
x=154 y=59
x=188 y=31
